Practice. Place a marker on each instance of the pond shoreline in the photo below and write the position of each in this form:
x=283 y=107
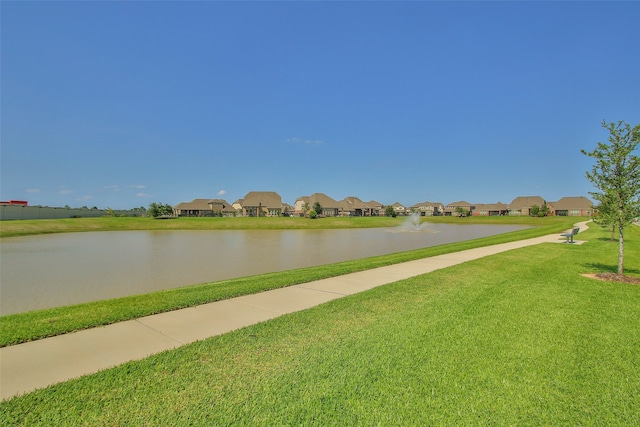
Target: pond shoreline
x=46 y=271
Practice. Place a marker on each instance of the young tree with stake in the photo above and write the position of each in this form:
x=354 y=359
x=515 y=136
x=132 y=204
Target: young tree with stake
x=616 y=174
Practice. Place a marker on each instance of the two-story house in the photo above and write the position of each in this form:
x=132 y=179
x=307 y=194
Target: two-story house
x=262 y=203
x=330 y=207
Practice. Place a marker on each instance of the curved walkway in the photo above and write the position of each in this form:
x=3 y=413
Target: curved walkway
x=29 y=366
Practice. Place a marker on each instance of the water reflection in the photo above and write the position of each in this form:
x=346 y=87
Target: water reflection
x=54 y=270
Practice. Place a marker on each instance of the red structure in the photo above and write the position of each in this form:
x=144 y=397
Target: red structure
x=15 y=203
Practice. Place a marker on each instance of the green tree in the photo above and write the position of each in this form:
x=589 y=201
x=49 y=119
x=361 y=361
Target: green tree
x=534 y=211
x=544 y=210
x=167 y=209
x=460 y=211
x=389 y=211
x=605 y=215
x=318 y=208
x=313 y=214
x=539 y=211
x=158 y=209
x=616 y=176
x=154 y=210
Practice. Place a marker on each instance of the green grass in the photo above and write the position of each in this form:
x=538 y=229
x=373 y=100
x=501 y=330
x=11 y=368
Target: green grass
x=46 y=226
x=29 y=326
x=518 y=338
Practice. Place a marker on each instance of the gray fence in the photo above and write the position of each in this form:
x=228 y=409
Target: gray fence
x=36 y=212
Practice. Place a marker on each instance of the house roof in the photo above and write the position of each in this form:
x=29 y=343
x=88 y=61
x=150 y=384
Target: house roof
x=491 y=207
x=218 y=202
x=460 y=203
x=427 y=204
x=567 y=203
x=221 y=204
x=194 y=205
x=324 y=200
x=266 y=199
x=205 y=205
x=526 y=202
x=352 y=203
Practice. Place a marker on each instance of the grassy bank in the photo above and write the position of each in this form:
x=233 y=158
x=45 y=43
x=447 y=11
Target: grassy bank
x=29 y=326
x=518 y=338
x=76 y=225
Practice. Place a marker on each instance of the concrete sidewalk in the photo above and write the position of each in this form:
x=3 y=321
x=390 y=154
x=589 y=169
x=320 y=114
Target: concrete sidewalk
x=37 y=364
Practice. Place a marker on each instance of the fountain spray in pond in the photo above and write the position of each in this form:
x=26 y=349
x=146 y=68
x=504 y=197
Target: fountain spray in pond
x=412 y=223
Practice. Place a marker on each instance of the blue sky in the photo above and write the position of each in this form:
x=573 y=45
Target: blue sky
x=120 y=104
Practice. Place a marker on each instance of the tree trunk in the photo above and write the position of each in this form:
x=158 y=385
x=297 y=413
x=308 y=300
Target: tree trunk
x=620 y=250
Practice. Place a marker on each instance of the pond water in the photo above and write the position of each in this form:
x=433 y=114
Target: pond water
x=61 y=269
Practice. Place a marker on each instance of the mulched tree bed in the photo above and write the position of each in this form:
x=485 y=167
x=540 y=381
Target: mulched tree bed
x=614 y=277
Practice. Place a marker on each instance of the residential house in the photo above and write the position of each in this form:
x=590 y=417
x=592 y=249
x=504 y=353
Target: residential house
x=573 y=206
x=353 y=206
x=287 y=209
x=221 y=207
x=522 y=205
x=330 y=207
x=237 y=206
x=399 y=208
x=495 y=209
x=262 y=203
x=375 y=208
x=452 y=209
x=428 y=208
x=204 y=207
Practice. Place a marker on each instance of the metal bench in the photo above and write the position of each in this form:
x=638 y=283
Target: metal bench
x=569 y=235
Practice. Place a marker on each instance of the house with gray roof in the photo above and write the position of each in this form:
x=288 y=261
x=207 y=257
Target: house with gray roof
x=572 y=206
x=491 y=209
x=522 y=205
x=452 y=208
x=399 y=208
x=428 y=208
x=375 y=208
x=287 y=209
x=204 y=207
x=353 y=206
x=237 y=206
x=330 y=207
x=262 y=203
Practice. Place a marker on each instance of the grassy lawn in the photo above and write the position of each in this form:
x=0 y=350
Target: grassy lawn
x=518 y=338
x=46 y=226
x=22 y=327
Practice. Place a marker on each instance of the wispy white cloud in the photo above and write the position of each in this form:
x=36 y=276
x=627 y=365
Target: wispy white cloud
x=112 y=187
x=65 y=190
x=139 y=187
x=143 y=195
x=305 y=141
x=85 y=198
x=222 y=192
